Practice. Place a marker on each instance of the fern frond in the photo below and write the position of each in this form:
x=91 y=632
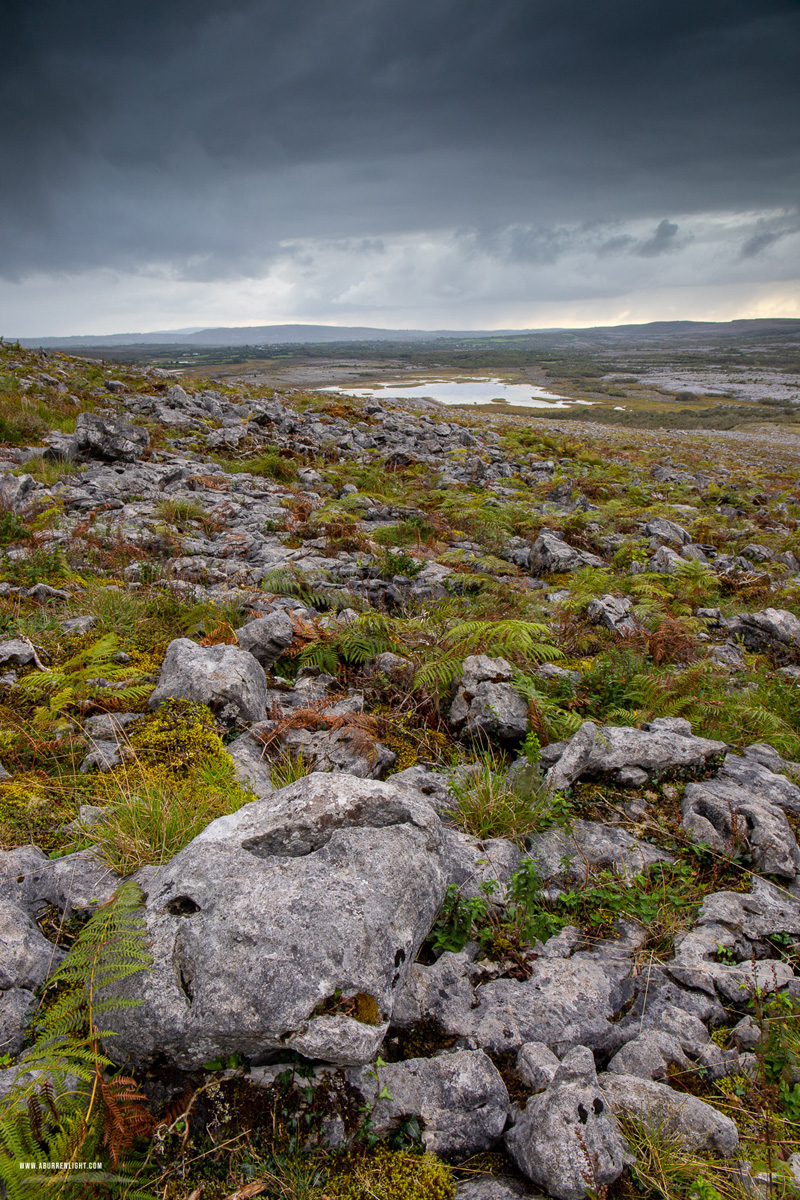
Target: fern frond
x=66 y=1067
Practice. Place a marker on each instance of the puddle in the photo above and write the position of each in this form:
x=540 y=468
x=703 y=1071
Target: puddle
x=465 y=391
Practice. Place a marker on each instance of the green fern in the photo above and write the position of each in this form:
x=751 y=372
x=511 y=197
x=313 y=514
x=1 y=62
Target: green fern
x=80 y=681
x=559 y=722
x=57 y=1109
x=437 y=641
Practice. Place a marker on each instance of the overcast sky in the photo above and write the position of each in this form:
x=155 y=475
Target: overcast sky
x=401 y=163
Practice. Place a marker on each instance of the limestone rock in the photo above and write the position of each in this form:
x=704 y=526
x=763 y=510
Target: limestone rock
x=567 y=1141
x=567 y=854
x=614 y=613
x=666 y=561
x=16 y=653
x=252 y=768
x=26 y=957
x=109 y=439
x=733 y=810
x=460 y=1098
x=551 y=555
x=486 y=704
x=773 y=628
x=17 y=1006
x=491 y=1187
x=225 y=678
x=242 y=961
x=536 y=1065
x=668 y=531
x=595 y=753
x=267 y=637
x=697 y=1125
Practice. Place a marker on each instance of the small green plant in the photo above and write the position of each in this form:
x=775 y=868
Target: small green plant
x=271 y=463
x=397 y=562
x=666 y=1170
x=67 y=1104
x=487 y=804
x=183 y=514
x=288 y=769
x=459 y=919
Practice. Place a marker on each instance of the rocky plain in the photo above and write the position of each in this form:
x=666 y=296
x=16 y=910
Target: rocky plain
x=455 y=759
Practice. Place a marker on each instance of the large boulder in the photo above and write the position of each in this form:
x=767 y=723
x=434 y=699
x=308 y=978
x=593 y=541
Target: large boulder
x=266 y=638
x=551 y=555
x=228 y=680
x=103 y=437
x=291 y=924
x=486 y=704
x=567 y=1140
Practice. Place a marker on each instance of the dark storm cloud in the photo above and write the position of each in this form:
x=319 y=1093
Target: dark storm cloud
x=662 y=241
x=768 y=233
x=199 y=135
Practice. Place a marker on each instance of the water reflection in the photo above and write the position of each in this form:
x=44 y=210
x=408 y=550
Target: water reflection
x=465 y=391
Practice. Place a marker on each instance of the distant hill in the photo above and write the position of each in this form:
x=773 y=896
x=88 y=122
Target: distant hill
x=251 y=335
x=654 y=333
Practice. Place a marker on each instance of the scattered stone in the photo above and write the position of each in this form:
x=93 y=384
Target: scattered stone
x=14 y=491
x=17 y=1006
x=551 y=555
x=668 y=531
x=77 y=626
x=536 y=1065
x=267 y=638
x=486 y=704
x=460 y=1098
x=605 y=752
x=27 y=959
x=16 y=653
x=773 y=628
x=103 y=437
x=614 y=613
x=738 y=809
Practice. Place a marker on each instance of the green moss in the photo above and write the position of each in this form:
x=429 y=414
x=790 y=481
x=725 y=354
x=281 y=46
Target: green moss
x=31 y=810
x=385 y=1174
x=180 y=734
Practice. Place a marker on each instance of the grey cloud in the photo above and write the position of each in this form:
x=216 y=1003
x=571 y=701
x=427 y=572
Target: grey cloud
x=758 y=243
x=208 y=139
x=768 y=233
x=615 y=245
x=662 y=241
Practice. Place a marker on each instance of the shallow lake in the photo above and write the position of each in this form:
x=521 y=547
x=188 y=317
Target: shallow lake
x=465 y=391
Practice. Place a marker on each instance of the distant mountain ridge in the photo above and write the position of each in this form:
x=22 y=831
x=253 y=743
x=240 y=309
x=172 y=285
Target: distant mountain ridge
x=266 y=335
